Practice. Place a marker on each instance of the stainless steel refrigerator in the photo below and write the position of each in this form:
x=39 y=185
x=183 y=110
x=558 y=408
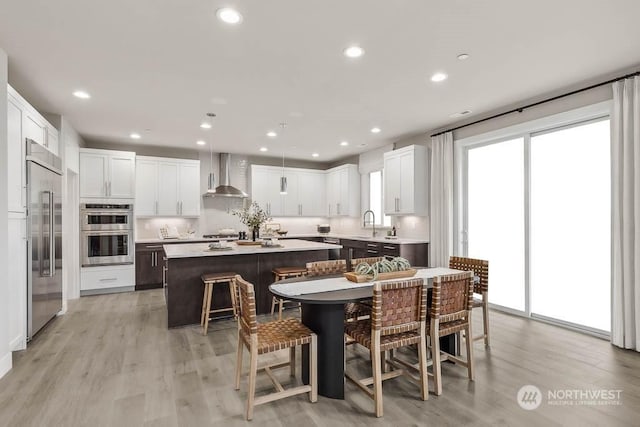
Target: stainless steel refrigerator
x=44 y=228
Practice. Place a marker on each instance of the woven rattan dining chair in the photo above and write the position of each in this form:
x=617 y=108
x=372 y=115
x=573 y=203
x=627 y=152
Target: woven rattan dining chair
x=262 y=338
x=398 y=319
x=480 y=270
x=352 y=310
x=449 y=313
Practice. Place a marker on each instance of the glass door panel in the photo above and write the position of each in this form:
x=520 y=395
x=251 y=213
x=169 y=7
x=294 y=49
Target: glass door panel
x=495 y=217
x=570 y=226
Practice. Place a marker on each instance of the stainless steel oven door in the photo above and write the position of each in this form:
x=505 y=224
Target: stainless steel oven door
x=105 y=220
x=107 y=248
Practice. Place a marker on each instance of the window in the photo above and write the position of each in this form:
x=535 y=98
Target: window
x=535 y=201
x=376 y=199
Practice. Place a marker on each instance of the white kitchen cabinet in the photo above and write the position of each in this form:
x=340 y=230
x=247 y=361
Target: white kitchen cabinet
x=103 y=279
x=23 y=122
x=343 y=191
x=405 y=181
x=107 y=174
x=146 y=203
x=305 y=191
x=15 y=157
x=17 y=278
x=265 y=189
x=167 y=187
x=311 y=193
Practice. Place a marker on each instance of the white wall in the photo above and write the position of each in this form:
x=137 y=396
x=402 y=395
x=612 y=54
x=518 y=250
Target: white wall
x=70 y=143
x=5 y=353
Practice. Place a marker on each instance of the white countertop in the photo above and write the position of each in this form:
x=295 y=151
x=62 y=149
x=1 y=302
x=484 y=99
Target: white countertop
x=192 y=250
x=184 y=240
x=380 y=239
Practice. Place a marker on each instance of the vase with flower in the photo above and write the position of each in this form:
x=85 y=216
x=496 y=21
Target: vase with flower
x=253 y=216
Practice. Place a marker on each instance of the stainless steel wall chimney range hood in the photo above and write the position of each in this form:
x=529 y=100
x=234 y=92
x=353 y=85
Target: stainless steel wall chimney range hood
x=225 y=189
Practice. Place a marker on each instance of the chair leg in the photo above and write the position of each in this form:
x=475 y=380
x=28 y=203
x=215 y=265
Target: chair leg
x=383 y=361
x=485 y=318
x=292 y=361
x=469 y=343
x=239 y=361
x=280 y=303
x=377 y=377
x=204 y=303
x=208 y=308
x=232 y=294
x=435 y=356
x=273 y=304
x=313 y=356
x=253 y=372
x=422 y=361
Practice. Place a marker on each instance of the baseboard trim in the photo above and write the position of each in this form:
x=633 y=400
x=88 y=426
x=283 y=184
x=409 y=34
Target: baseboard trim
x=6 y=363
x=17 y=344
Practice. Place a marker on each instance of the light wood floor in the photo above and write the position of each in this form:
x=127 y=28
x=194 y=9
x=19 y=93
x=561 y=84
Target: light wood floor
x=111 y=361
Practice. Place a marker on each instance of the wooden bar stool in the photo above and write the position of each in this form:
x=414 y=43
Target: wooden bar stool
x=281 y=273
x=209 y=280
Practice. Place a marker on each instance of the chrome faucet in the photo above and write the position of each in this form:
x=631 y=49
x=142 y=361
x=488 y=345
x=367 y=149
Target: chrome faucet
x=373 y=221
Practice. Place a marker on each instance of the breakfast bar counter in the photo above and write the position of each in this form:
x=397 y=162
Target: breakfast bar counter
x=185 y=263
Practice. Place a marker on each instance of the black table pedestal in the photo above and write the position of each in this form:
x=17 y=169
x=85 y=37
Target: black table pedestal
x=327 y=321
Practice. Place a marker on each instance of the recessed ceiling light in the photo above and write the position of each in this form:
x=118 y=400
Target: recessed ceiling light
x=439 y=77
x=344 y=143
x=271 y=134
x=229 y=16
x=463 y=56
x=200 y=142
x=353 y=52
x=135 y=136
x=375 y=130
x=81 y=94
x=263 y=149
x=205 y=125
x=315 y=155
x=364 y=144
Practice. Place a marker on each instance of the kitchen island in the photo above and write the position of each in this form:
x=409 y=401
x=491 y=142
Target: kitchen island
x=185 y=263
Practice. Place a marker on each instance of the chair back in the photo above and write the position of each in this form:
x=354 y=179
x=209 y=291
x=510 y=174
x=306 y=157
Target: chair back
x=452 y=296
x=398 y=306
x=324 y=268
x=480 y=270
x=247 y=322
x=370 y=261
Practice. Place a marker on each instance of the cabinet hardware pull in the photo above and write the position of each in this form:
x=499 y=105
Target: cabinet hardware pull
x=154 y=247
x=372 y=245
x=371 y=251
x=112 y=279
x=390 y=247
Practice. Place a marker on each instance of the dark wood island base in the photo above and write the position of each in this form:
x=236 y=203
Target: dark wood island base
x=184 y=288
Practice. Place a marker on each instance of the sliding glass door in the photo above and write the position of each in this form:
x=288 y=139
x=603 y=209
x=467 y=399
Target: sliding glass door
x=495 y=216
x=570 y=238
x=537 y=206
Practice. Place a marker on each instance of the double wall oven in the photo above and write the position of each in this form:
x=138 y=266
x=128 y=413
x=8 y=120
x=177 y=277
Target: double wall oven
x=107 y=234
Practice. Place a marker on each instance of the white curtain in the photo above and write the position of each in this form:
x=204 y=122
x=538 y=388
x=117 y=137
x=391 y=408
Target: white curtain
x=625 y=164
x=441 y=205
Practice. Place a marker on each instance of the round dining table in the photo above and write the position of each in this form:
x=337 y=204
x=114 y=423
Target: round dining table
x=323 y=313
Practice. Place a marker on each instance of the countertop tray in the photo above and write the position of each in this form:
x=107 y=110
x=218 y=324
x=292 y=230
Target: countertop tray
x=361 y=278
x=248 y=243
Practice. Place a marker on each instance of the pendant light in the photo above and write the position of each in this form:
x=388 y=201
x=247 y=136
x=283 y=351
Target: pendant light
x=283 y=179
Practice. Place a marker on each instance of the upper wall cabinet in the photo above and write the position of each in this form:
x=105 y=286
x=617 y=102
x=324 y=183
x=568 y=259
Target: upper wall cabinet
x=305 y=191
x=405 y=181
x=107 y=174
x=23 y=122
x=167 y=187
x=343 y=191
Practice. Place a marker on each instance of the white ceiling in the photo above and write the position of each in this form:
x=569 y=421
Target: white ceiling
x=162 y=64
